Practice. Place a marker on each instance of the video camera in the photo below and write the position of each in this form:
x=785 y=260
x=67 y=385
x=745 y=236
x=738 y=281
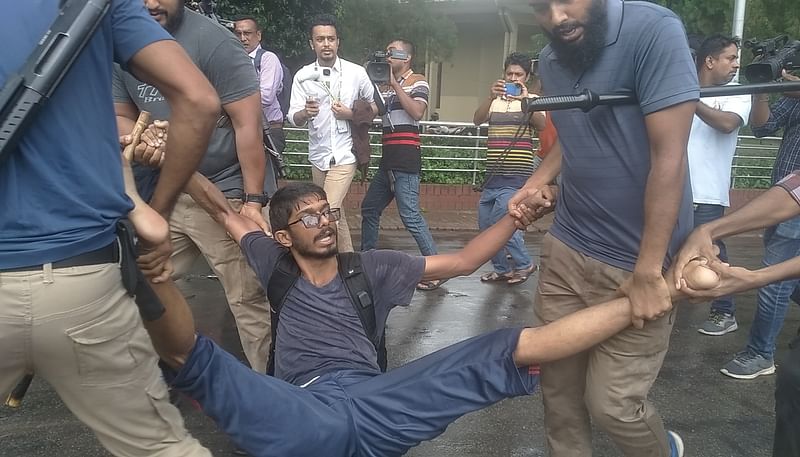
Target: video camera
x=771 y=57
x=379 y=68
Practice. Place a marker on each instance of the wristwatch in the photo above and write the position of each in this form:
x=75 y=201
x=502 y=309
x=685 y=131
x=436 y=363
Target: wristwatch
x=262 y=199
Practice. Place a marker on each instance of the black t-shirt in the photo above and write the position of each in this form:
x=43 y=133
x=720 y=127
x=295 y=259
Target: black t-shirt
x=319 y=330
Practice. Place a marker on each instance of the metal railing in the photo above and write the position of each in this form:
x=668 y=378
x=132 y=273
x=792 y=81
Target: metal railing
x=459 y=149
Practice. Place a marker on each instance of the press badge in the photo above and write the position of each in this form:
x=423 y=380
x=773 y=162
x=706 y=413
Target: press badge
x=342 y=126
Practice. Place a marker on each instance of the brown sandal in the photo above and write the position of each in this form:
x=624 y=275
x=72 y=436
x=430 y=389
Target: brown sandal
x=520 y=276
x=494 y=276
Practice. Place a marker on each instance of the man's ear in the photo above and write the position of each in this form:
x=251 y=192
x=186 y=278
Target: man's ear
x=283 y=238
x=311 y=44
x=709 y=62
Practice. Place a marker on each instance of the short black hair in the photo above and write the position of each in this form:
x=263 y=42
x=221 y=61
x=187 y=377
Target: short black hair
x=518 y=58
x=412 y=48
x=713 y=47
x=322 y=19
x=246 y=17
x=287 y=199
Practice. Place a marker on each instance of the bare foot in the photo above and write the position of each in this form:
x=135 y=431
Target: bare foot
x=150 y=226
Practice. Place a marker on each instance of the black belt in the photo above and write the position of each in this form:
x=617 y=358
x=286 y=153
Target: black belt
x=106 y=254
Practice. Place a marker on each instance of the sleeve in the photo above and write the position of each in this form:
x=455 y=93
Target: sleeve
x=270 y=78
x=397 y=273
x=262 y=253
x=298 y=99
x=791 y=184
x=778 y=114
x=118 y=88
x=665 y=73
x=230 y=70
x=365 y=88
x=132 y=29
x=740 y=106
x=420 y=91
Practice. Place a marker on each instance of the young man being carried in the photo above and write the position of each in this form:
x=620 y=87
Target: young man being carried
x=333 y=399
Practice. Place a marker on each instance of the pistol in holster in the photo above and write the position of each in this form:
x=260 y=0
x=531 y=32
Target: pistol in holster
x=150 y=307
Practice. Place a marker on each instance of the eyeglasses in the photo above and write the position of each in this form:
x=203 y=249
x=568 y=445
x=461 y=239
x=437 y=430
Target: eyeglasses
x=313 y=220
x=244 y=33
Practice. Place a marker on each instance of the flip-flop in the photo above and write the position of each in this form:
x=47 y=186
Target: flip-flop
x=430 y=285
x=494 y=276
x=521 y=276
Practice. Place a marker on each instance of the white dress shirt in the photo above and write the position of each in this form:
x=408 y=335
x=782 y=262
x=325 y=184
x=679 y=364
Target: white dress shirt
x=330 y=141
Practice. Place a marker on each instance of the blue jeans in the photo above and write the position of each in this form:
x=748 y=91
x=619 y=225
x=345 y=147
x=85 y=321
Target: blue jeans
x=704 y=213
x=404 y=188
x=491 y=208
x=781 y=243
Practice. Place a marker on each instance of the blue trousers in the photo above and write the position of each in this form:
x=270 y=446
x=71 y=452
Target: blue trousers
x=781 y=243
x=404 y=189
x=492 y=207
x=703 y=214
x=351 y=413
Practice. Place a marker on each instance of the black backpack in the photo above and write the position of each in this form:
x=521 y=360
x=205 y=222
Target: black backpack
x=355 y=281
x=285 y=96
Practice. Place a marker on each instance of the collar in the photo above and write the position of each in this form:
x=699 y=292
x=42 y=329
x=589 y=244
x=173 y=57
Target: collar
x=337 y=65
x=406 y=75
x=255 y=51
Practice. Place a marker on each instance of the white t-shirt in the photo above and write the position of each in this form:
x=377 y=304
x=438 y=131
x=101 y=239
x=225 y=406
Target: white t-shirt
x=711 y=151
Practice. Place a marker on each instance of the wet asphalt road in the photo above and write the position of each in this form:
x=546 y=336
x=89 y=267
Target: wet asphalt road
x=716 y=416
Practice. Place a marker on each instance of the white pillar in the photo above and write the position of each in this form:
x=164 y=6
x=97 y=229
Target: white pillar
x=738 y=26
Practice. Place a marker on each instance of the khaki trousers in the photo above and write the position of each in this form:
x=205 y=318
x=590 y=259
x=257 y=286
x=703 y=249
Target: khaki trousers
x=194 y=232
x=336 y=183
x=608 y=383
x=78 y=329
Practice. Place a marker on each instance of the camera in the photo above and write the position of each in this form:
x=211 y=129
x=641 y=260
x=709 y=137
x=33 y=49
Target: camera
x=771 y=57
x=379 y=68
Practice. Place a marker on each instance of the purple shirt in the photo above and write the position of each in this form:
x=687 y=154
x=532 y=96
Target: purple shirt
x=270 y=80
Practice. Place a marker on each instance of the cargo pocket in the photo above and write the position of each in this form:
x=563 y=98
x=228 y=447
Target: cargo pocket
x=102 y=350
x=172 y=429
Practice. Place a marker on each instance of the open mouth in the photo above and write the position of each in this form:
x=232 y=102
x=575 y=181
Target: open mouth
x=570 y=32
x=326 y=238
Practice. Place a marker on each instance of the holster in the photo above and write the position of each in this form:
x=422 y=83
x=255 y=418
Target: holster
x=137 y=286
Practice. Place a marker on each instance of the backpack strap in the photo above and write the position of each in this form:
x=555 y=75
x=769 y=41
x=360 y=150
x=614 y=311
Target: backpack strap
x=281 y=282
x=257 y=59
x=358 y=287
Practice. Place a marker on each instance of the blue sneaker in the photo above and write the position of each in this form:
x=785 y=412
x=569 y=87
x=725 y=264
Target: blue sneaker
x=675 y=444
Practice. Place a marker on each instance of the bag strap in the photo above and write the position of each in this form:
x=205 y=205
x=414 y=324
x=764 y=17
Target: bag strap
x=281 y=281
x=358 y=287
x=257 y=59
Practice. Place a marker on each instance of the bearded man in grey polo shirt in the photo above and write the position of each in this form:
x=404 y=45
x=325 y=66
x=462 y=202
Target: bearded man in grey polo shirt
x=622 y=210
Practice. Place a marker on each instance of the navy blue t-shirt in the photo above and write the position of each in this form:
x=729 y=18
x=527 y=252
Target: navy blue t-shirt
x=61 y=191
x=606 y=152
x=319 y=330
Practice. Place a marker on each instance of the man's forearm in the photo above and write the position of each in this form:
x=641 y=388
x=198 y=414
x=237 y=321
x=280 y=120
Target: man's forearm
x=252 y=159
x=477 y=252
x=662 y=200
x=548 y=170
x=482 y=113
x=770 y=208
x=173 y=334
x=210 y=198
x=414 y=108
x=759 y=111
x=780 y=271
x=723 y=121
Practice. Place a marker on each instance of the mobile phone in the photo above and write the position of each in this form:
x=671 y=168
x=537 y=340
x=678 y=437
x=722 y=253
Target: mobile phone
x=513 y=89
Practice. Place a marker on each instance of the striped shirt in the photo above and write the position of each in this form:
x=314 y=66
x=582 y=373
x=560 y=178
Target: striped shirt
x=401 y=142
x=784 y=114
x=509 y=152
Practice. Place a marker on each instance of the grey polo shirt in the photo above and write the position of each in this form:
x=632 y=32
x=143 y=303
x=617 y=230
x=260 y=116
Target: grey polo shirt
x=606 y=152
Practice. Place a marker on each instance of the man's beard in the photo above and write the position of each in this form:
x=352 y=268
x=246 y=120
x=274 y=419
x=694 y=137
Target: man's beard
x=174 y=20
x=330 y=251
x=582 y=55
